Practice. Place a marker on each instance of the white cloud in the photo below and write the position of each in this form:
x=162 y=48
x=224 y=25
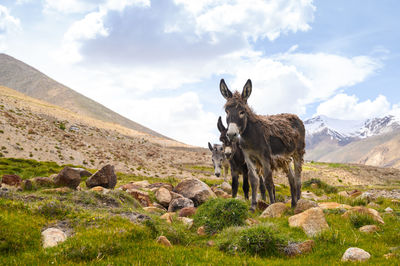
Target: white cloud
x=69 y=6
x=254 y=19
x=346 y=107
x=8 y=25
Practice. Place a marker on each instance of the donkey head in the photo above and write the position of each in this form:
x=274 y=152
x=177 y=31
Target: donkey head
x=218 y=157
x=236 y=109
x=227 y=144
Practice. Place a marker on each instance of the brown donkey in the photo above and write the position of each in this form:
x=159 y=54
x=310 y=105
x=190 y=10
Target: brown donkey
x=271 y=142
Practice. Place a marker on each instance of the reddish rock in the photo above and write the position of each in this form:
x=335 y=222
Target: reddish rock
x=187 y=212
x=68 y=177
x=201 y=231
x=164 y=241
x=105 y=177
x=11 y=180
x=129 y=186
x=141 y=196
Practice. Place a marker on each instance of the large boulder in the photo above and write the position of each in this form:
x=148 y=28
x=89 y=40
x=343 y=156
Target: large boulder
x=274 y=210
x=105 y=177
x=163 y=196
x=83 y=172
x=11 y=180
x=180 y=203
x=312 y=221
x=374 y=214
x=333 y=205
x=53 y=236
x=68 y=177
x=355 y=254
x=195 y=189
x=303 y=205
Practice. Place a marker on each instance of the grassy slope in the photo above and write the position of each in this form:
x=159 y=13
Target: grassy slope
x=102 y=236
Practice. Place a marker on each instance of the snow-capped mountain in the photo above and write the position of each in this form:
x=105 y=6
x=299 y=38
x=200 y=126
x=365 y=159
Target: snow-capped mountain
x=345 y=131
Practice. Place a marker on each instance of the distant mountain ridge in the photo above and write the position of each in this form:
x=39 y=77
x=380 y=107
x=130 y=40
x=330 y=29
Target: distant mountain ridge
x=335 y=140
x=21 y=77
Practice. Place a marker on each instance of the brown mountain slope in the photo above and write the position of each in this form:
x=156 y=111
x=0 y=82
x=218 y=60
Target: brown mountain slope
x=19 y=76
x=386 y=154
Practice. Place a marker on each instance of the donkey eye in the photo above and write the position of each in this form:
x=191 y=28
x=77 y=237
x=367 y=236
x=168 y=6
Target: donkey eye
x=241 y=113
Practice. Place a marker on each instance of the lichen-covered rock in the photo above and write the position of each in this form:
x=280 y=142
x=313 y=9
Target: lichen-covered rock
x=195 y=189
x=53 y=236
x=274 y=210
x=105 y=177
x=180 y=203
x=312 y=221
x=355 y=254
x=68 y=177
x=304 y=204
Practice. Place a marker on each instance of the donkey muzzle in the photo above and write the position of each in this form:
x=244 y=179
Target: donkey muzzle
x=233 y=131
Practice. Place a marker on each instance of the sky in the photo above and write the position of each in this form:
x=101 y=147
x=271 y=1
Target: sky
x=159 y=62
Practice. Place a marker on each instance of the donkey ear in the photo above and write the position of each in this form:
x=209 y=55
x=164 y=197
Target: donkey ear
x=224 y=90
x=246 y=90
x=220 y=125
x=210 y=147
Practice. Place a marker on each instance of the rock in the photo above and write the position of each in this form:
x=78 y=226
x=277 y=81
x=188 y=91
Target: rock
x=141 y=184
x=168 y=217
x=175 y=195
x=355 y=254
x=251 y=221
x=274 y=210
x=180 y=203
x=141 y=196
x=187 y=221
x=389 y=255
x=163 y=196
x=395 y=202
x=333 y=205
x=314 y=186
x=105 y=177
x=364 y=210
x=304 y=204
x=309 y=195
x=159 y=185
x=369 y=228
x=43 y=181
x=343 y=194
x=354 y=193
x=210 y=243
x=27 y=184
x=129 y=186
x=195 y=189
x=153 y=209
x=312 y=221
x=59 y=190
x=135 y=217
x=53 y=236
x=5 y=187
x=225 y=186
x=187 y=211
x=294 y=249
x=155 y=204
x=11 y=180
x=389 y=210
x=262 y=205
x=201 y=231
x=83 y=172
x=100 y=189
x=221 y=194
x=373 y=205
x=68 y=177
x=164 y=241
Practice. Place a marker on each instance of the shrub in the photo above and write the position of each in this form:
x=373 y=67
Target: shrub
x=263 y=240
x=361 y=219
x=216 y=214
x=54 y=209
x=324 y=186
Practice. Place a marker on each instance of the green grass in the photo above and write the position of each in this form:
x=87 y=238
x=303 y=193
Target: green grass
x=335 y=165
x=326 y=188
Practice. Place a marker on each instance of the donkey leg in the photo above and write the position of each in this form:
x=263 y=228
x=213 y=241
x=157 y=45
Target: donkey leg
x=293 y=185
x=235 y=182
x=246 y=187
x=226 y=169
x=254 y=186
x=262 y=189
x=297 y=170
x=269 y=183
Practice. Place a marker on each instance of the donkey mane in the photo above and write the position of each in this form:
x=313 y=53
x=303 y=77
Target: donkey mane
x=274 y=125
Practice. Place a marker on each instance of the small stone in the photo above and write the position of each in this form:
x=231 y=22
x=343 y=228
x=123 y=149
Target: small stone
x=210 y=243
x=274 y=210
x=168 y=217
x=225 y=186
x=27 y=184
x=97 y=189
x=11 y=180
x=141 y=196
x=187 y=221
x=53 y=236
x=312 y=221
x=180 y=203
x=373 y=205
x=343 y=194
x=163 y=196
x=369 y=228
x=294 y=249
x=355 y=254
x=164 y=241
x=187 y=211
x=153 y=209
x=221 y=194
x=314 y=186
x=251 y=221
x=389 y=255
x=396 y=202
x=389 y=210
x=43 y=181
x=354 y=193
x=129 y=186
x=201 y=231
x=142 y=184
x=333 y=205
x=304 y=204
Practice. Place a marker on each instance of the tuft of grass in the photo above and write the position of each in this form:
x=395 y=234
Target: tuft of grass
x=360 y=219
x=217 y=214
x=263 y=240
x=322 y=185
x=53 y=209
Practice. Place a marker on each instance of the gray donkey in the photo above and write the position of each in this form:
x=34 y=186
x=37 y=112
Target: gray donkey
x=269 y=142
x=219 y=160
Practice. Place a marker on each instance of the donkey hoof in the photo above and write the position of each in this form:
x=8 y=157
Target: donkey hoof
x=252 y=209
